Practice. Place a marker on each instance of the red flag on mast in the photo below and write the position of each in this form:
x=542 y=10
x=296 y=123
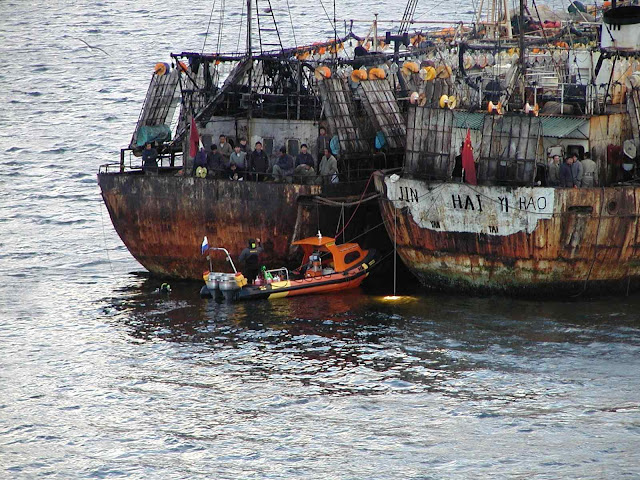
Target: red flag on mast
x=194 y=138
x=468 y=164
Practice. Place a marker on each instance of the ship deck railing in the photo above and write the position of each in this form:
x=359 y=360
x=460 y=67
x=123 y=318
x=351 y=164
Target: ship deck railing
x=166 y=168
x=166 y=161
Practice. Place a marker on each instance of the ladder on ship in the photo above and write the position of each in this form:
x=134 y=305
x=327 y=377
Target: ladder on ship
x=270 y=29
x=159 y=104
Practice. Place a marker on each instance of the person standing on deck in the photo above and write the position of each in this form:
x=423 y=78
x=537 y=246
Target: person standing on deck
x=225 y=150
x=328 y=168
x=215 y=163
x=553 y=171
x=566 y=174
x=323 y=142
x=577 y=170
x=239 y=158
x=590 y=172
x=304 y=165
x=149 y=159
x=258 y=162
x=244 y=147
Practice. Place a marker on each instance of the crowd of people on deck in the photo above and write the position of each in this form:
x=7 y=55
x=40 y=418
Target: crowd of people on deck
x=573 y=172
x=240 y=162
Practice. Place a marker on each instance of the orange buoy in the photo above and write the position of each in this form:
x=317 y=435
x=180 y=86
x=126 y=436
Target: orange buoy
x=443 y=71
x=182 y=67
x=410 y=67
x=161 y=68
x=358 y=75
x=322 y=72
x=377 y=74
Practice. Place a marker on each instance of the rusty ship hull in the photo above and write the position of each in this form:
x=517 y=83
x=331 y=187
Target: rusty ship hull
x=162 y=219
x=527 y=240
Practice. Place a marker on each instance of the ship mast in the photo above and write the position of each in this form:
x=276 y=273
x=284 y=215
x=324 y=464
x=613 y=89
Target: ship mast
x=250 y=72
x=523 y=65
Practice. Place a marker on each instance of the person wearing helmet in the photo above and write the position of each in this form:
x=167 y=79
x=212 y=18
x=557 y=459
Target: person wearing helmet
x=250 y=260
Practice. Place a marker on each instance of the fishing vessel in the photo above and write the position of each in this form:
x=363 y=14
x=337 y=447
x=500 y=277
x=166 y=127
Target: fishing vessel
x=268 y=94
x=326 y=267
x=514 y=106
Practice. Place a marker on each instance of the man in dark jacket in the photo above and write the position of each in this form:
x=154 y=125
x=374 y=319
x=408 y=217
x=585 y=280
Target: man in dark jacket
x=250 y=260
x=566 y=174
x=322 y=142
x=305 y=171
x=149 y=159
x=215 y=164
x=258 y=162
x=283 y=168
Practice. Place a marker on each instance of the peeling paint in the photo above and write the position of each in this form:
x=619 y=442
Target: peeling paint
x=458 y=207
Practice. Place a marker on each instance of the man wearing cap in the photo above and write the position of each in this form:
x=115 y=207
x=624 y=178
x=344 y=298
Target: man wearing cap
x=284 y=166
x=305 y=171
x=589 y=172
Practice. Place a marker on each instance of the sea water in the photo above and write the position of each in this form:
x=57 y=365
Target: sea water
x=103 y=377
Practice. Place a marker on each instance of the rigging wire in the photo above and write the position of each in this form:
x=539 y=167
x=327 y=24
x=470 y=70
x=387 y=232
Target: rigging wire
x=206 y=35
x=259 y=30
x=333 y=26
x=407 y=17
x=240 y=30
x=220 y=26
x=293 y=30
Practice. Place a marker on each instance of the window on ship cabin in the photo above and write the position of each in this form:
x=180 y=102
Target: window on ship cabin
x=577 y=149
x=293 y=146
x=351 y=257
x=267 y=146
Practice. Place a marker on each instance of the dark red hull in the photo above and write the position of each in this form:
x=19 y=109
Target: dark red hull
x=162 y=219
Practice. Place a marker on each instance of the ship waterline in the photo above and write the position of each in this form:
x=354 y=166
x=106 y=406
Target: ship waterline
x=514 y=240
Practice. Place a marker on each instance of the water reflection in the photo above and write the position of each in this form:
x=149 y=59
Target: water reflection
x=357 y=343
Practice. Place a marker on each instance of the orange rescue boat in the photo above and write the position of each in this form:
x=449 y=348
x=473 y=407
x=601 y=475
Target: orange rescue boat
x=326 y=267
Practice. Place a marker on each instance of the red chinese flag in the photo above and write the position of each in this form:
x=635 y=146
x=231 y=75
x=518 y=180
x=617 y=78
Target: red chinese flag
x=194 y=139
x=467 y=161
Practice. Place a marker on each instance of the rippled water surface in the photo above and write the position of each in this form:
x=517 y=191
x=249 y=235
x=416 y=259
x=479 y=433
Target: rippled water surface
x=101 y=377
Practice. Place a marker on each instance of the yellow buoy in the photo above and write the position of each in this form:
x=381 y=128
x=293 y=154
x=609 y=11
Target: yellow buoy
x=427 y=73
x=448 y=101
